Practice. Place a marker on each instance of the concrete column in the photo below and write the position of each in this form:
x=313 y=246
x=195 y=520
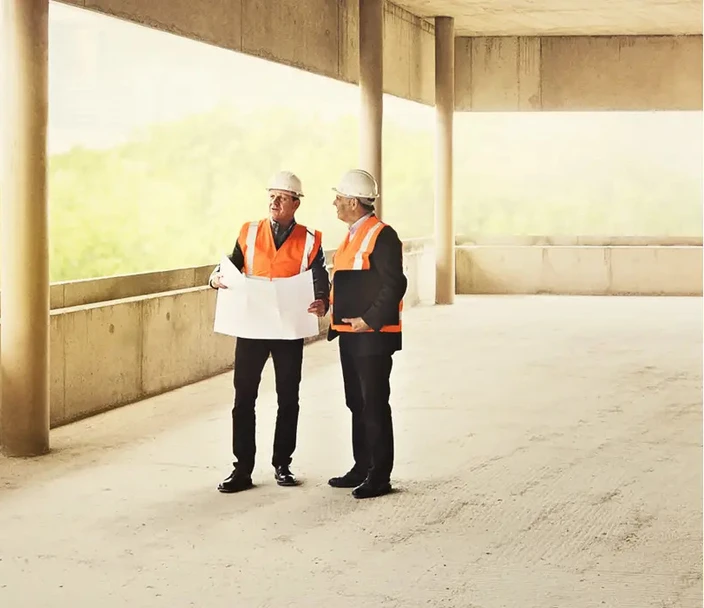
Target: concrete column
x=24 y=289
x=371 y=87
x=444 y=111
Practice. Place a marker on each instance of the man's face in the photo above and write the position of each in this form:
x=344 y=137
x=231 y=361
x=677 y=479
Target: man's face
x=282 y=206
x=346 y=207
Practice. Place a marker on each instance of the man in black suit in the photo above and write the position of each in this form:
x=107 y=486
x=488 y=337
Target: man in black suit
x=368 y=341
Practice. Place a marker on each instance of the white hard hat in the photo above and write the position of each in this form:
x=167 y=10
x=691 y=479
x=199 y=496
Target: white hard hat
x=285 y=180
x=358 y=184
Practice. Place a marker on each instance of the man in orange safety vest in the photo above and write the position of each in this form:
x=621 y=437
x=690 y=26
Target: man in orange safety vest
x=368 y=342
x=273 y=247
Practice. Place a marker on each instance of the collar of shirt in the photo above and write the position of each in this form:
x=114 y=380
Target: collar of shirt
x=280 y=234
x=354 y=227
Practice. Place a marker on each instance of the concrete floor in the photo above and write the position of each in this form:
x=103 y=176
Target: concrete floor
x=548 y=455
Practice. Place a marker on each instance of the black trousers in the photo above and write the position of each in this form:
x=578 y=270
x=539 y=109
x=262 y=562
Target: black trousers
x=367 y=391
x=250 y=358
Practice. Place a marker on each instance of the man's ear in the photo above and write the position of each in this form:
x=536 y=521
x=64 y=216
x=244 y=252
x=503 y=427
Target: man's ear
x=296 y=203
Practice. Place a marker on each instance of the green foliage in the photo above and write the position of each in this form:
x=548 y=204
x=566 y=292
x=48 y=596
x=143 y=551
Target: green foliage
x=178 y=193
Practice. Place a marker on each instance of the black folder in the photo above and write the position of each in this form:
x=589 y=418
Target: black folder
x=355 y=292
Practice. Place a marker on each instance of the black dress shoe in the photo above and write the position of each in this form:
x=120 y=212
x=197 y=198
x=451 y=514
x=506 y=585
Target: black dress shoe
x=284 y=477
x=349 y=480
x=370 y=490
x=236 y=482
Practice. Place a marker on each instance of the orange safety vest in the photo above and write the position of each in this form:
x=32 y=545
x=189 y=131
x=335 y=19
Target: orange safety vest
x=354 y=255
x=262 y=259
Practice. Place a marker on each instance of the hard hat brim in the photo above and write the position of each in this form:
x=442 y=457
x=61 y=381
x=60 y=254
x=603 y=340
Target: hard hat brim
x=297 y=194
x=369 y=198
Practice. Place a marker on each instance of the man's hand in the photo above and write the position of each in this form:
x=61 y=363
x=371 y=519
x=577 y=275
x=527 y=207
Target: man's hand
x=357 y=324
x=217 y=283
x=317 y=308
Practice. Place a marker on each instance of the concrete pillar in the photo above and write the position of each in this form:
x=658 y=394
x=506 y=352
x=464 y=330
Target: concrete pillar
x=371 y=87
x=24 y=289
x=444 y=111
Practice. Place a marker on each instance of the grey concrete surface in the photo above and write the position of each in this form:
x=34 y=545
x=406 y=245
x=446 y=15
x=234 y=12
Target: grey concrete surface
x=108 y=353
x=579 y=270
x=559 y=18
x=319 y=36
x=512 y=55
x=549 y=454
x=578 y=73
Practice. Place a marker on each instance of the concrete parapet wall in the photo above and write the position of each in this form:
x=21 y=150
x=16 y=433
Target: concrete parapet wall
x=674 y=270
x=108 y=354
x=89 y=291
x=583 y=241
x=133 y=345
x=123 y=339
x=419 y=267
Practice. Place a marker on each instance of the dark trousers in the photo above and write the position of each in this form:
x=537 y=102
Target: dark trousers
x=367 y=392
x=250 y=358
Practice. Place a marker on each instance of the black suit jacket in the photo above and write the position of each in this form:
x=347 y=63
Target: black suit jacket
x=387 y=260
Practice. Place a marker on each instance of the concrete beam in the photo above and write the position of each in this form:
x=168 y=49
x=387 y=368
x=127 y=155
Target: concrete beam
x=319 y=36
x=579 y=73
x=409 y=56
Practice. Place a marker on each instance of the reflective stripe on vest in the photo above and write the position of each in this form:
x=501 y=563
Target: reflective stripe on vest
x=251 y=245
x=359 y=257
x=307 y=250
x=263 y=259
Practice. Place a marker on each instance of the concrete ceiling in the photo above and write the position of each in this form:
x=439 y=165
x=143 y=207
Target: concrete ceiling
x=564 y=17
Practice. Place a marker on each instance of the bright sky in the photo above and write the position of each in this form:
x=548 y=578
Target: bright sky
x=109 y=77
x=121 y=76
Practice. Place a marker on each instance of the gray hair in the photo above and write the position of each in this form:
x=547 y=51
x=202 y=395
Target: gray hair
x=367 y=204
